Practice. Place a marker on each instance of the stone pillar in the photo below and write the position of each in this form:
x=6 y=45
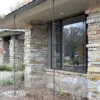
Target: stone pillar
x=27 y=47
x=1 y=51
x=17 y=45
x=21 y=50
x=6 y=48
x=93 y=46
x=93 y=22
x=13 y=46
x=36 y=52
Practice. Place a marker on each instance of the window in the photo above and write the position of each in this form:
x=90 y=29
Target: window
x=74 y=57
x=69 y=45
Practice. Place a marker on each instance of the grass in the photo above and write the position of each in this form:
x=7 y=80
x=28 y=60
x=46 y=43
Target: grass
x=6 y=82
x=6 y=68
x=10 y=68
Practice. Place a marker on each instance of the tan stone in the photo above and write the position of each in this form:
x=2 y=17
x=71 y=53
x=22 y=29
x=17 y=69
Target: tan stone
x=98 y=59
x=93 y=15
x=95 y=9
x=91 y=32
x=94 y=69
x=91 y=41
x=93 y=26
x=94 y=76
x=91 y=20
x=93 y=45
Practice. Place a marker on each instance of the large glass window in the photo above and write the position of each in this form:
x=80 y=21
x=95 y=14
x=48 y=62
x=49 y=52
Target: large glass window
x=69 y=45
x=74 y=52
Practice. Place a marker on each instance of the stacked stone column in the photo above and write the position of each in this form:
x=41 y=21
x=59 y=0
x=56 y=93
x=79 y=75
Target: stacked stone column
x=93 y=22
x=36 y=51
x=13 y=50
x=6 y=54
x=16 y=51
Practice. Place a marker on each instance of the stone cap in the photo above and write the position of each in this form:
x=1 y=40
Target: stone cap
x=10 y=32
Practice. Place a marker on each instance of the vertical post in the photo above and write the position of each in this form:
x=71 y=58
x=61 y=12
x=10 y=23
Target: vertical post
x=53 y=32
x=14 y=62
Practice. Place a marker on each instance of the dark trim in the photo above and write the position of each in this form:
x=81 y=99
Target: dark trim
x=71 y=16
x=61 y=35
x=74 y=19
x=51 y=43
x=86 y=42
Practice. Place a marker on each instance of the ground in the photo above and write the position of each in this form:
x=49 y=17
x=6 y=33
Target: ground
x=36 y=94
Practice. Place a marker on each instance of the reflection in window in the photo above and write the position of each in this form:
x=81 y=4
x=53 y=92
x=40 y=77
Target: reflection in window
x=68 y=47
x=74 y=44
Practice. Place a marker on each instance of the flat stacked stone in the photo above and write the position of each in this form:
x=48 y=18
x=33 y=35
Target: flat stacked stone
x=1 y=52
x=36 y=51
x=16 y=51
x=93 y=22
x=6 y=54
x=93 y=46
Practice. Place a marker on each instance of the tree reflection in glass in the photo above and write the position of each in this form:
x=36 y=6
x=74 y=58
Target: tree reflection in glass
x=74 y=44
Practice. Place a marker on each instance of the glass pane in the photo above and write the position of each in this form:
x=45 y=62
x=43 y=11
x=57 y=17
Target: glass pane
x=56 y=46
x=74 y=45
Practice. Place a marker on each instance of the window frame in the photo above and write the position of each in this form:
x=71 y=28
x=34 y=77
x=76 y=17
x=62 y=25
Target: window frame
x=68 y=21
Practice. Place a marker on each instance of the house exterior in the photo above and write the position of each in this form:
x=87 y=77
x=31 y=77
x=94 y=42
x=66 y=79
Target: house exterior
x=72 y=50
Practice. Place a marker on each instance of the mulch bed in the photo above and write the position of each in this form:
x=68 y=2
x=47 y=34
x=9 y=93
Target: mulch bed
x=38 y=94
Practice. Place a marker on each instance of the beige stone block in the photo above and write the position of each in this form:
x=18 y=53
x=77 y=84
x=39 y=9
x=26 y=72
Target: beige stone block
x=91 y=21
x=93 y=45
x=94 y=69
x=91 y=32
x=98 y=60
x=97 y=19
x=95 y=36
x=94 y=76
x=95 y=10
x=91 y=41
x=93 y=15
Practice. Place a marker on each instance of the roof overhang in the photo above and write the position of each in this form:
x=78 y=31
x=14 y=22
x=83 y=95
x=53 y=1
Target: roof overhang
x=41 y=10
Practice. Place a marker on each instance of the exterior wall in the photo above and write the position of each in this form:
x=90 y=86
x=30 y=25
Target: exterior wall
x=38 y=71
x=36 y=54
x=68 y=82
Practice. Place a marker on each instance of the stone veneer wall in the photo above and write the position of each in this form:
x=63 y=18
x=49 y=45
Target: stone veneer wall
x=19 y=50
x=36 y=52
x=6 y=54
x=1 y=52
x=93 y=21
x=93 y=32
x=4 y=51
x=36 y=59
